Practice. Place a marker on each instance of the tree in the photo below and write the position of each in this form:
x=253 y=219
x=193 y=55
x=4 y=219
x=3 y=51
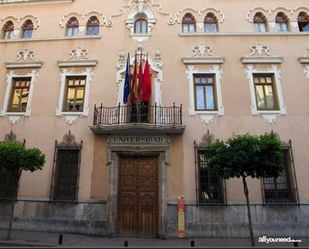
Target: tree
x=15 y=158
x=245 y=156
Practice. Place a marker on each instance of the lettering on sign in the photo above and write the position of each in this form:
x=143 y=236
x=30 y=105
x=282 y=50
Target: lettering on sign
x=140 y=140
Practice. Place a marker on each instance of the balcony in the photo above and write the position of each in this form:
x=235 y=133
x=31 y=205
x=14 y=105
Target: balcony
x=138 y=120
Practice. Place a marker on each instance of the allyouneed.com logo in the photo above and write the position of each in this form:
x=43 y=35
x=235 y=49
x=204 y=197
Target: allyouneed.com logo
x=266 y=240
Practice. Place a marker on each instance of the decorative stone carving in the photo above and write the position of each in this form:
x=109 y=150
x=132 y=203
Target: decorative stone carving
x=83 y=19
x=25 y=59
x=11 y=136
x=260 y=54
x=20 y=20
x=78 y=57
x=203 y=55
x=69 y=140
x=306 y=70
x=208 y=137
x=156 y=65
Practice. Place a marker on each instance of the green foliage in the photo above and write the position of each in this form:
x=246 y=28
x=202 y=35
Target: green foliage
x=246 y=155
x=15 y=157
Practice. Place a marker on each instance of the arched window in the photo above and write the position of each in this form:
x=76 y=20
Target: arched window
x=303 y=22
x=72 y=27
x=141 y=26
x=188 y=23
x=211 y=23
x=27 y=29
x=259 y=23
x=282 y=22
x=8 y=30
x=93 y=26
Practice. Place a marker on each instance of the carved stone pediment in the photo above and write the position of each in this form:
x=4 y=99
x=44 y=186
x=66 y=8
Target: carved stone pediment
x=78 y=58
x=25 y=59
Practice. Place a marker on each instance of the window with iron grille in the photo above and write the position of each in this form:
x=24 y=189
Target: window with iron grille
x=66 y=171
x=283 y=189
x=7 y=185
x=210 y=187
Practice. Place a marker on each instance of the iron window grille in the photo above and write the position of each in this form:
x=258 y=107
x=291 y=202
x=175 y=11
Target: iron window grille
x=66 y=170
x=210 y=188
x=283 y=189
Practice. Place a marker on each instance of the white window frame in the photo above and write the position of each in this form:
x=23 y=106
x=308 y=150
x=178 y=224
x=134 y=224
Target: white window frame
x=270 y=116
x=206 y=116
x=71 y=117
x=14 y=117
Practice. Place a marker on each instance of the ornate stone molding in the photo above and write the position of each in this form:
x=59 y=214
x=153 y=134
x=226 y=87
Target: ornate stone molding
x=155 y=64
x=306 y=70
x=14 y=117
x=20 y=20
x=83 y=19
x=271 y=115
x=261 y=55
x=203 y=55
x=177 y=17
x=78 y=58
x=72 y=117
x=69 y=141
x=206 y=116
x=304 y=59
x=9 y=3
x=24 y=59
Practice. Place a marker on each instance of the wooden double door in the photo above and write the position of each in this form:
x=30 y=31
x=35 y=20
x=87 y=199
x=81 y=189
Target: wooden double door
x=138 y=197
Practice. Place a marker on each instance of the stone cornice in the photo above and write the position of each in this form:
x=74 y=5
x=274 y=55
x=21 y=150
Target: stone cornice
x=4 y=3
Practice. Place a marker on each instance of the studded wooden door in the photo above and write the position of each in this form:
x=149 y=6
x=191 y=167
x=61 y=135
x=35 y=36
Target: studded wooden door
x=138 y=197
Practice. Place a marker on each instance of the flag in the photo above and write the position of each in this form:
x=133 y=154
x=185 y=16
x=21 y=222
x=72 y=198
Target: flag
x=126 y=87
x=134 y=89
x=140 y=79
x=146 y=83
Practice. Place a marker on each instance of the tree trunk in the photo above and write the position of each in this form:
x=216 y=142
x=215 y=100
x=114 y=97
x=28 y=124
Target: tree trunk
x=246 y=191
x=13 y=205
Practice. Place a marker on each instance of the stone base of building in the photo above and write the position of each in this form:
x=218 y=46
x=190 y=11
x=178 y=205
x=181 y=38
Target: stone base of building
x=201 y=222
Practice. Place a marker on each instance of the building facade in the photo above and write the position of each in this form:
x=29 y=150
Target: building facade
x=117 y=168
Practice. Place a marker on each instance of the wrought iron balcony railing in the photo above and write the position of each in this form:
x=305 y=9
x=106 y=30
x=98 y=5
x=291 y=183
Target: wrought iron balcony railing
x=141 y=114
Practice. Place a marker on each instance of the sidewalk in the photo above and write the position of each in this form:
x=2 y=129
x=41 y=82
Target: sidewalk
x=37 y=239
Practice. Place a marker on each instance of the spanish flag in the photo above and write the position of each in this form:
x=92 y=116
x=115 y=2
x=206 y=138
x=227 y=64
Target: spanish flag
x=134 y=88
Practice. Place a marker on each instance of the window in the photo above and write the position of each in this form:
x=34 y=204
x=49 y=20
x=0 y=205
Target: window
x=27 y=29
x=303 y=22
x=19 y=95
x=75 y=94
x=72 y=27
x=283 y=189
x=7 y=185
x=93 y=26
x=259 y=23
x=140 y=26
x=205 y=92
x=66 y=170
x=210 y=187
x=188 y=23
x=211 y=23
x=265 y=92
x=282 y=22
x=8 y=30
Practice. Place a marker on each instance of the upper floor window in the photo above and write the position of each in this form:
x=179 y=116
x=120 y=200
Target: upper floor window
x=282 y=190
x=8 y=30
x=266 y=94
x=205 y=92
x=75 y=94
x=282 y=22
x=19 y=95
x=303 y=22
x=211 y=187
x=93 y=26
x=140 y=26
x=259 y=23
x=72 y=27
x=211 y=23
x=188 y=23
x=27 y=29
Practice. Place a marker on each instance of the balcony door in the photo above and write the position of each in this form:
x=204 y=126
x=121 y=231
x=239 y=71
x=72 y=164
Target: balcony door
x=138 y=197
